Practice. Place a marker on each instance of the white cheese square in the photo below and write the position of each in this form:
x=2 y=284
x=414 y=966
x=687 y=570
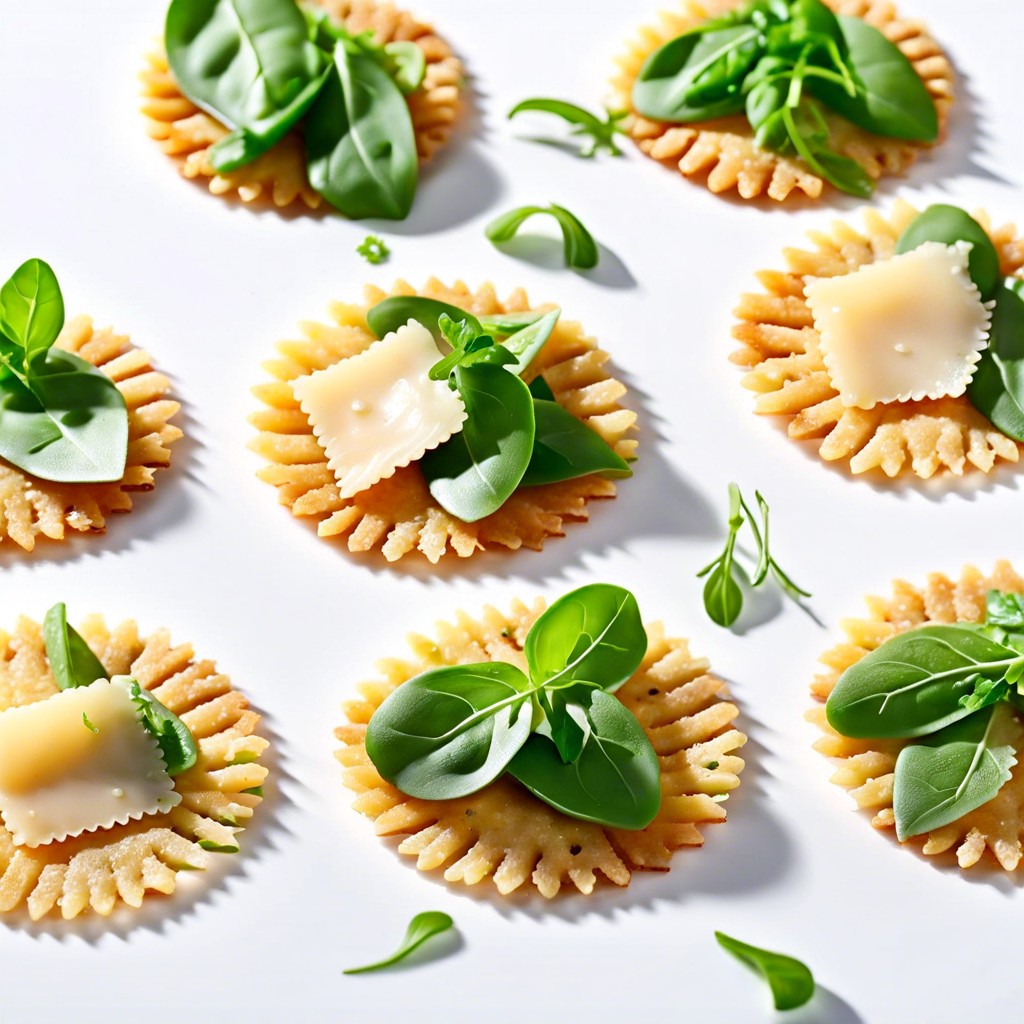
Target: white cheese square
x=902 y=329
x=378 y=411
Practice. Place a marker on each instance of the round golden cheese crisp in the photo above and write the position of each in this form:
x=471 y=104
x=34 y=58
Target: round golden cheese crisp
x=506 y=834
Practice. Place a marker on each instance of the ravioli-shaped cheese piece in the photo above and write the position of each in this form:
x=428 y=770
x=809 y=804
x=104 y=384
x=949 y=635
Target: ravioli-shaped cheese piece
x=378 y=411
x=902 y=329
x=78 y=761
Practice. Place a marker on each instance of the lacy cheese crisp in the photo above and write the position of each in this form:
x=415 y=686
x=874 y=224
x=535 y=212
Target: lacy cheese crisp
x=722 y=153
x=398 y=515
x=865 y=766
x=503 y=832
x=786 y=366
x=162 y=832
x=186 y=133
x=31 y=508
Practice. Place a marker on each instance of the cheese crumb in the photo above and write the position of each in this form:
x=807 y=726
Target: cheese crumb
x=378 y=411
x=902 y=329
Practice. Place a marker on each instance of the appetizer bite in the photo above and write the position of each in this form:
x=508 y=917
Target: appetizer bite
x=493 y=439
x=922 y=709
x=780 y=97
x=336 y=100
x=544 y=746
x=901 y=347
x=123 y=760
x=84 y=417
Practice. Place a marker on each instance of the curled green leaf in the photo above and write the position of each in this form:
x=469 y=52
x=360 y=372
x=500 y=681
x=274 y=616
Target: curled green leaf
x=177 y=744
x=423 y=926
x=580 y=249
x=72 y=662
x=601 y=131
x=997 y=388
x=789 y=979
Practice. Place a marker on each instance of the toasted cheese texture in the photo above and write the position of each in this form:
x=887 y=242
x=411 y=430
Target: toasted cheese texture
x=379 y=411
x=902 y=329
x=59 y=777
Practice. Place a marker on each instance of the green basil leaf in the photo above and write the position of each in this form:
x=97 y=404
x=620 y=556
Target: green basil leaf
x=71 y=427
x=723 y=596
x=949 y=224
x=565 y=448
x=473 y=473
x=615 y=781
x=580 y=249
x=503 y=324
x=698 y=75
x=891 y=99
x=541 y=390
x=525 y=343
x=32 y=308
x=246 y=62
x=396 y=311
x=408 y=65
x=72 y=662
x=602 y=132
x=912 y=684
x=997 y=388
x=360 y=146
x=451 y=731
x=591 y=635
x=177 y=744
x=951 y=773
x=422 y=927
x=1004 y=609
x=811 y=19
x=790 y=980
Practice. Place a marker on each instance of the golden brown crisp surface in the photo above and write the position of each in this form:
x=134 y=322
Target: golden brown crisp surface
x=865 y=767
x=99 y=870
x=398 y=515
x=504 y=832
x=780 y=351
x=186 y=133
x=31 y=508
x=722 y=153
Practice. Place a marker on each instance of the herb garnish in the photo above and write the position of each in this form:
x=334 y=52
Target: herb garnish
x=512 y=436
x=422 y=927
x=952 y=687
x=723 y=595
x=778 y=62
x=92 y=728
x=580 y=249
x=61 y=419
x=790 y=980
x=451 y=731
x=373 y=249
x=265 y=68
x=601 y=131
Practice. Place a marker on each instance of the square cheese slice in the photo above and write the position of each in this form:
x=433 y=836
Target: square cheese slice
x=62 y=774
x=902 y=329
x=378 y=411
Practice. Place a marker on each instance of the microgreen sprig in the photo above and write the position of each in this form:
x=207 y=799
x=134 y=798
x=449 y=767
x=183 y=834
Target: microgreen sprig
x=373 y=249
x=601 y=131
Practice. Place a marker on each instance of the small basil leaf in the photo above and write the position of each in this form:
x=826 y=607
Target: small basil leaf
x=71 y=427
x=451 y=731
x=790 y=980
x=565 y=449
x=723 y=596
x=408 y=65
x=997 y=388
x=615 y=780
x=72 y=661
x=525 y=343
x=177 y=744
x=32 y=308
x=1004 y=609
x=891 y=99
x=396 y=311
x=579 y=247
x=951 y=773
x=593 y=635
x=422 y=927
x=912 y=684
x=360 y=146
x=475 y=472
x=949 y=224
x=246 y=62
x=541 y=390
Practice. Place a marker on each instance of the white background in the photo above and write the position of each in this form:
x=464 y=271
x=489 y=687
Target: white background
x=208 y=287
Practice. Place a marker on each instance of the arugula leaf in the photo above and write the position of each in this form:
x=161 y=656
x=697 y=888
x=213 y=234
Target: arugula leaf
x=602 y=131
x=177 y=744
x=615 y=780
x=469 y=348
x=451 y=731
x=1004 y=609
x=790 y=980
x=422 y=927
x=32 y=309
x=581 y=251
x=72 y=662
x=997 y=388
x=951 y=773
x=985 y=693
